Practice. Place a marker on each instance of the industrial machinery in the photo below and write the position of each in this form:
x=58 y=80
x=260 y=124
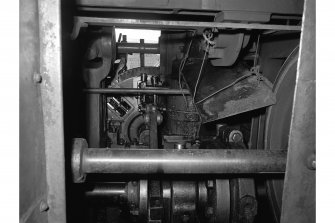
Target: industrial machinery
x=199 y=130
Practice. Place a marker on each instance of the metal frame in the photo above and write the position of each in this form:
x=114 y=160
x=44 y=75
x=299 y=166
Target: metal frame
x=299 y=185
x=81 y=21
x=52 y=106
x=135 y=91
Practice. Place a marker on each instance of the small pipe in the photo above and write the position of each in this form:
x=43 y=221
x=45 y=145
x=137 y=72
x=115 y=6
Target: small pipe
x=135 y=91
x=145 y=48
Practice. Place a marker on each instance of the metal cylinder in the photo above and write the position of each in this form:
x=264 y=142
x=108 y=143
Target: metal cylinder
x=108 y=190
x=135 y=91
x=146 y=48
x=162 y=161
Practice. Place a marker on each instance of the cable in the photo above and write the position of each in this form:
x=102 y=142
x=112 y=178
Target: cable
x=207 y=36
x=256 y=53
x=181 y=67
x=199 y=75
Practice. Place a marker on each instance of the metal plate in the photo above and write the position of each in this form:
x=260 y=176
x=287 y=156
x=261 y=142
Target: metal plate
x=299 y=185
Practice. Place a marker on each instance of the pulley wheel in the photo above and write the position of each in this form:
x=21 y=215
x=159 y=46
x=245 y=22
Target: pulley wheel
x=278 y=121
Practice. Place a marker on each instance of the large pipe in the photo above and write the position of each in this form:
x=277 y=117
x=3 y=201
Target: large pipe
x=162 y=161
x=135 y=91
x=146 y=48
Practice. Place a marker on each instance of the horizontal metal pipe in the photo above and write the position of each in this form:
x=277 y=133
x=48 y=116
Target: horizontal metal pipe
x=107 y=190
x=160 y=161
x=135 y=91
x=152 y=48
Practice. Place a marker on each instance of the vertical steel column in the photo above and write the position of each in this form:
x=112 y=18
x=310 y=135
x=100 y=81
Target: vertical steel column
x=33 y=185
x=52 y=105
x=299 y=186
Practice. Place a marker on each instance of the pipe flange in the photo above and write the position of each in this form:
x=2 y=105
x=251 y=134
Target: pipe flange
x=78 y=147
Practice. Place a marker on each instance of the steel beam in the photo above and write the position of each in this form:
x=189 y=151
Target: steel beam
x=170 y=161
x=82 y=21
x=135 y=91
x=52 y=104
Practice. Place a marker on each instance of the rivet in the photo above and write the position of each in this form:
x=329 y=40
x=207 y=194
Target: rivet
x=311 y=162
x=37 y=78
x=43 y=206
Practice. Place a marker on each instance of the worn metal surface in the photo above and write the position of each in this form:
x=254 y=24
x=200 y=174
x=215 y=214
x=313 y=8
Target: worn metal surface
x=52 y=105
x=246 y=95
x=136 y=91
x=33 y=185
x=299 y=185
x=287 y=6
x=226 y=91
x=81 y=21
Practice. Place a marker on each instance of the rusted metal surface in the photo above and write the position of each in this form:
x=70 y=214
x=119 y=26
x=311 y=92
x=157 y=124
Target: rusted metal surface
x=81 y=21
x=52 y=105
x=287 y=6
x=299 y=184
x=33 y=185
x=227 y=91
x=249 y=94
